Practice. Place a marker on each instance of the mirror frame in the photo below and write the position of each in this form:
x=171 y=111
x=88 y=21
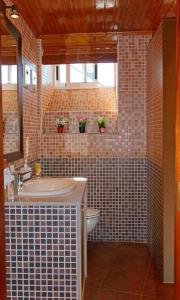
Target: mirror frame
x=17 y=35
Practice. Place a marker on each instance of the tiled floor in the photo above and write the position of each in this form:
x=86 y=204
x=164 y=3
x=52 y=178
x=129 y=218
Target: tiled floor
x=119 y=271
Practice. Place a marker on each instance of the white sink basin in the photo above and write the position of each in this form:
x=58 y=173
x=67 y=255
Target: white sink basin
x=45 y=187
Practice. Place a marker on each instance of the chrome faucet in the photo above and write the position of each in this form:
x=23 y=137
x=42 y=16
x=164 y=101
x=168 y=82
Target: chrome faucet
x=19 y=183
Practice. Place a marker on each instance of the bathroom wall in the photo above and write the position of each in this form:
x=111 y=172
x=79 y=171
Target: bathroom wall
x=161 y=148
x=31 y=120
x=91 y=102
x=46 y=77
x=91 y=99
x=115 y=164
x=42 y=260
x=10 y=119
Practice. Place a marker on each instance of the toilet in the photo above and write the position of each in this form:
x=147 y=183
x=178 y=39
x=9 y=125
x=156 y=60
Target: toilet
x=92 y=218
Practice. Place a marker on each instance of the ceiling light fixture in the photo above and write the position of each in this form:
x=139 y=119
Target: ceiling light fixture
x=13 y=11
x=105 y=4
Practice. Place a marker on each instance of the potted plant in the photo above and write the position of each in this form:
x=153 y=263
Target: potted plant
x=60 y=123
x=102 y=122
x=82 y=123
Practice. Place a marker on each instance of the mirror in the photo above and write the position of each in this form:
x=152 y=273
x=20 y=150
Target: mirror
x=11 y=78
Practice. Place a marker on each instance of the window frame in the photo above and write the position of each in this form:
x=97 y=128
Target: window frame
x=81 y=85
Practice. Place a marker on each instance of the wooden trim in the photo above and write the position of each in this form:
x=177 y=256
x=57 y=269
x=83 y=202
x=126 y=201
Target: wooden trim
x=177 y=225
x=169 y=117
x=97 y=34
x=2 y=223
x=11 y=28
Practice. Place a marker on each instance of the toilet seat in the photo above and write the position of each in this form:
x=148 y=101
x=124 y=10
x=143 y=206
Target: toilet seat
x=91 y=213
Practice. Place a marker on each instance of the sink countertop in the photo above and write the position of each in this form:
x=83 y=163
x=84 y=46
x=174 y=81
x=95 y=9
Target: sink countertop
x=71 y=198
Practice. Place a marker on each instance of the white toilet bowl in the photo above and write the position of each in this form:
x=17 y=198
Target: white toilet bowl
x=92 y=218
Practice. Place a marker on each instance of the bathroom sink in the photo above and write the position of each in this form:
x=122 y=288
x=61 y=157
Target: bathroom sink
x=45 y=187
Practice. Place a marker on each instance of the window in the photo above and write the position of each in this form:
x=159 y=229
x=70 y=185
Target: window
x=85 y=75
x=77 y=73
x=9 y=74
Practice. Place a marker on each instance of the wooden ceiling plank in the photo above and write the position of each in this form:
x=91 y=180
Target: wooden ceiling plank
x=60 y=16
x=25 y=12
x=123 y=7
x=142 y=10
x=167 y=9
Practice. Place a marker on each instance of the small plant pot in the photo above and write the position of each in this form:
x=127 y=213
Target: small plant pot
x=82 y=129
x=102 y=129
x=60 y=129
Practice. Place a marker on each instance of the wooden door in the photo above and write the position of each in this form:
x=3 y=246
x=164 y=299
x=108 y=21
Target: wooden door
x=177 y=235
x=2 y=227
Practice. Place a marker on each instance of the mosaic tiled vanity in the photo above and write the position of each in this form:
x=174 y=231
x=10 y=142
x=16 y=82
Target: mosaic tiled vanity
x=46 y=249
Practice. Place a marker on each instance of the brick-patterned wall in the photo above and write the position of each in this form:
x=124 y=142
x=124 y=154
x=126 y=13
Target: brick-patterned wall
x=132 y=92
x=47 y=86
x=100 y=99
x=31 y=120
x=11 y=132
x=9 y=100
x=131 y=140
x=42 y=252
x=161 y=148
x=117 y=187
x=72 y=126
x=92 y=155
x=10 y=119
x=72 y=103
x=155 y=148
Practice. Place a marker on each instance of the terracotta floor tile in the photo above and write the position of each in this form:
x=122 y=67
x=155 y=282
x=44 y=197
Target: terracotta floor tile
x=154 y=288
x=151 y=288
x=147 y=298
x=134 y=250
x=166 y=291
x=119 y=271
x=96 y=277
x=113 y=295
x=101 y=255
x=101 y=261
x=131 y=264
x=89 y=294
x=124 y=281
x=99 y=248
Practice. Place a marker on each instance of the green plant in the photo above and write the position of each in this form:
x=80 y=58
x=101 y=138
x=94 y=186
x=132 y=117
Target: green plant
x=82 y=121
x=61 y=121
x=102 y=122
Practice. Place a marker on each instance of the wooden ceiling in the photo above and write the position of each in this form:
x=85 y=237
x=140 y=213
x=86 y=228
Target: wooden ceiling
x=76 y=29
x=8 y=47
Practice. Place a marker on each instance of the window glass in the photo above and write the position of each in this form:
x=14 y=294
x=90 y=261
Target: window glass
x=4 y=74
x=106 y=74
x=62 y=73
x=90 y=72
x=76 y=73
x=9 y=74
x=13 y=74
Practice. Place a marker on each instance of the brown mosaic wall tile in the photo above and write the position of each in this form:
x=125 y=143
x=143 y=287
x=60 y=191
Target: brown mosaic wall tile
x=103 y=99
x=117 y=187
x=9 y=100
x=10 y=119
x=115 y=164
x=31 y=118
x=49 y=124
x=41 y=252
x=47 y=86
x=132 y=108
x=11 y=135
x=155 y=149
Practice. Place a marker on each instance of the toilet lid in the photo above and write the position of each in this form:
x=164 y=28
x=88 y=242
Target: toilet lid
x=92 y=212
